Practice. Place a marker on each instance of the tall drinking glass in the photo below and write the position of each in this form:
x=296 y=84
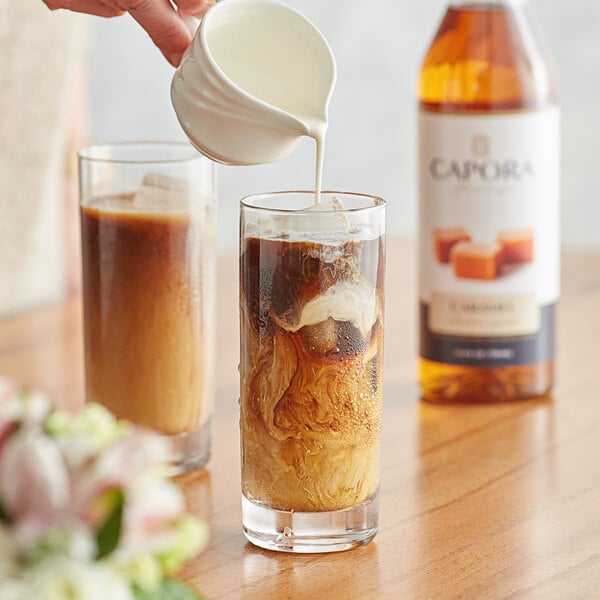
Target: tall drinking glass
x=311 y=309
x=148 y=231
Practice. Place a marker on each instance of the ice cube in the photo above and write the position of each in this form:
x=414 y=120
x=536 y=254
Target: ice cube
x=325 y=222
x=327 y=203
x=163 y=192
x=264 y=227
x=321 y=338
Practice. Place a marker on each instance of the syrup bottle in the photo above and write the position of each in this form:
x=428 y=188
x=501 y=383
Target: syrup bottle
x=489 y=207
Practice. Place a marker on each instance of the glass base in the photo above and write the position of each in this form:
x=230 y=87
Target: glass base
x=310 y=532
x=190 y=451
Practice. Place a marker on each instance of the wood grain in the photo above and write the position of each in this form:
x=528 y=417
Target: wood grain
x=499 y=501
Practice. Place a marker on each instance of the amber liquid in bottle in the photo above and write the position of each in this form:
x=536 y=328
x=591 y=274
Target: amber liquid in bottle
x=484 y=60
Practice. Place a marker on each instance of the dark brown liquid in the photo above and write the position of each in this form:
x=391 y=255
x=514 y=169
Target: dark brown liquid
x=144 y=330
x=310 y=391
x=483 y=60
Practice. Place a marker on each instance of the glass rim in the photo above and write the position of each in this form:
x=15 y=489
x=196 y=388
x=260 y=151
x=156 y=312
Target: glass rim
x=97 y=152
x=246 y=202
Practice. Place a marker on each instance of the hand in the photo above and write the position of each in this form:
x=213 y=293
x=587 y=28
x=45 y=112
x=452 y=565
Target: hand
x=169 y=27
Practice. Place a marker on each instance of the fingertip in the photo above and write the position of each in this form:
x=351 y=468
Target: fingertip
x=196 y=8
x=174 y=58
x=171 y=38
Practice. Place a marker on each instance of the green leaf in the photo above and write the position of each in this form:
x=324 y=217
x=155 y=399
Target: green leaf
x=168 y=589
x=3 y=514
x=108 y=535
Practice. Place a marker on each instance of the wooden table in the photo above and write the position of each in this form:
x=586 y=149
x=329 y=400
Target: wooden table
x=499 y=501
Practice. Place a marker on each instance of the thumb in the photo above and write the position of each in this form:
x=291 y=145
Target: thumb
x=190 y=21
x=166 y=28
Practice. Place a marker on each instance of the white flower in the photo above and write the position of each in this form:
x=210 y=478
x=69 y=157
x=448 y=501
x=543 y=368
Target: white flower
x=36 y=542
x=62 y=579
x=36 y=406
x=15 y=589
x=17 y=406
x=145 y=571
x=81 y=544
x=88 y=432
x=190 y=538
x=62 y=477
x=34 y=480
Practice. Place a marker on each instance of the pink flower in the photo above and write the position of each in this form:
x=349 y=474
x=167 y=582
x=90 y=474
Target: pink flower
x=34 y=480
x=135 y=464
x=152 y=506
x=62 y=479
x=122 y=464
x=8 y=388
x=17 y=406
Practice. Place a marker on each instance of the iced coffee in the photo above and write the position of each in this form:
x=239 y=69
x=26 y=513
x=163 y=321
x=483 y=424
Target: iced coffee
x=148 y=308
x=311 y=301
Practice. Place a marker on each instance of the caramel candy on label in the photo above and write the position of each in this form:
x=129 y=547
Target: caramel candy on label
x=476 y=261
x=445 y=239
x=517 y=245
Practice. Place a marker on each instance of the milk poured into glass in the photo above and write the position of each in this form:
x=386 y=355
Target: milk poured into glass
x=259 y=62
x=257 y=77
x=319 y=136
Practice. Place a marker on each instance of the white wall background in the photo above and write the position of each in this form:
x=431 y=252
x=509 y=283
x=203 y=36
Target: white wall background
x=371 y=144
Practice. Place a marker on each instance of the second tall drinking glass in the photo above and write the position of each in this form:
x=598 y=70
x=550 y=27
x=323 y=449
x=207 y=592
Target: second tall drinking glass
x=147 y=227
x=311 y=298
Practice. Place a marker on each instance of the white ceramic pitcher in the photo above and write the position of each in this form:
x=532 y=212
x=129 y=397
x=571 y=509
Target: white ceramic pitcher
x=257 y=76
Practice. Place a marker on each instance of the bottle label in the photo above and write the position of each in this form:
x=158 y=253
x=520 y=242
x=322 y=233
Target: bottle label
x=489 y=236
